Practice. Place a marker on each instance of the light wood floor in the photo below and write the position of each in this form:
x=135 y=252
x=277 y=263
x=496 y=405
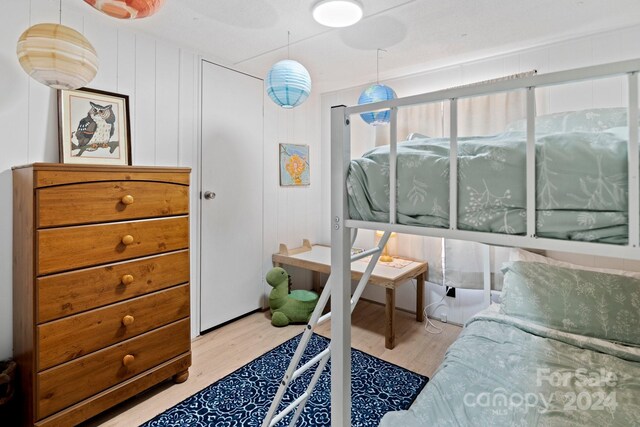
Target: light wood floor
x=222 y=351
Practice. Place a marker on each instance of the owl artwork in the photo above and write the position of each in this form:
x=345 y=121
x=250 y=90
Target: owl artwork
x=95 y=130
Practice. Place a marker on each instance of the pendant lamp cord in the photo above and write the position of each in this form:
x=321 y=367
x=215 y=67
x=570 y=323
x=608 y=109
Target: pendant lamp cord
x=288 y=44
x=60 y=13
x=378 y=64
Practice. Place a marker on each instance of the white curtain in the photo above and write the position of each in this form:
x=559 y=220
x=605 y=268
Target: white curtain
x=482 y=115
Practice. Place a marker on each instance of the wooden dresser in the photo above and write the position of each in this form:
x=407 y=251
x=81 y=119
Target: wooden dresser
x=100 y=286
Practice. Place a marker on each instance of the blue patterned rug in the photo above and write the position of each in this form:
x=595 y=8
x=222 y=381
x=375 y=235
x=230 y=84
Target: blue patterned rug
x=242 y=398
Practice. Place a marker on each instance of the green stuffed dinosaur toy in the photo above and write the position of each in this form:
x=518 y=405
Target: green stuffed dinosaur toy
x=294 y=307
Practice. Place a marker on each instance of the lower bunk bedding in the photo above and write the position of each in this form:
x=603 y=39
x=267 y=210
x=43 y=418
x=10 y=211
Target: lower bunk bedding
x=581 y=183
x=523 y=364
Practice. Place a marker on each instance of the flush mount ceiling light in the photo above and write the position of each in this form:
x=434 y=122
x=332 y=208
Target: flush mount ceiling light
x=337 y=13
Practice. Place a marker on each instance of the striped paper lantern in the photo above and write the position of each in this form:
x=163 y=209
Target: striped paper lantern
x=57 y=56
x=288 y=83
x=376 y=93
x=127 y=9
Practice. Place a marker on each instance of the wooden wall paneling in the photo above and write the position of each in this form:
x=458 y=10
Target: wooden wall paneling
x=187 y=109
x=104 y=38
x=126 y=77
x=43 y=111
x=612 y=92
x=270 y=185
x=43 y=122
x=126 y=74
x=625 y=42
x=188 y=155
x=478 y=71
x=14 y=108
x=570 y=54
x=144 y=140
x=300 y=194
x=512 y=64
x=167 y=103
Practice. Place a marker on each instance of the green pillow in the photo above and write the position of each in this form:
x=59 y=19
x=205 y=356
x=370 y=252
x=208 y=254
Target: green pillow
x=582 y=302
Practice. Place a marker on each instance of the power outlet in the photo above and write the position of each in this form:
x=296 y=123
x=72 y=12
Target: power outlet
x=443 y=317
x=450 y=292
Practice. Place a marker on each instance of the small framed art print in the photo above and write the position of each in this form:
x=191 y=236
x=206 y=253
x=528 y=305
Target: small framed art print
x=94 y=127
x=294 y=165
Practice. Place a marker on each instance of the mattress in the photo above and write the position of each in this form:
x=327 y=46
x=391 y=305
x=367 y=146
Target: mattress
x=581 y=184
x=505 y=371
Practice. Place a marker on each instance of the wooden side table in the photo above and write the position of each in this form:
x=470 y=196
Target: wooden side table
x=317 y=258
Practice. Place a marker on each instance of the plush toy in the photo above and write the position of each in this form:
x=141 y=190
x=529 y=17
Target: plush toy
x=294 y=307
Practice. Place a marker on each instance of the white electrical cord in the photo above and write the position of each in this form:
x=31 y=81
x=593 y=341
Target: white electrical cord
x=428 y=321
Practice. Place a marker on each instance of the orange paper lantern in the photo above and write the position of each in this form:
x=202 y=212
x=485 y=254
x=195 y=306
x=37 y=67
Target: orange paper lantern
x=127 y=9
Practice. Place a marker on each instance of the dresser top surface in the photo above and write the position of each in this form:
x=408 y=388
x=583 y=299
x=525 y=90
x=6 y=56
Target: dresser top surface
x=101 y=168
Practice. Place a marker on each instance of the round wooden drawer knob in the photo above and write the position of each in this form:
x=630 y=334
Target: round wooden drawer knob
x=128 y=360
x=127 y=240
x=127 y=320
x=127 y=279
x=127 y=200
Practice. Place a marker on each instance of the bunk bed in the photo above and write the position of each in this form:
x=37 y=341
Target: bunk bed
x=355 y=204
x=561 y=349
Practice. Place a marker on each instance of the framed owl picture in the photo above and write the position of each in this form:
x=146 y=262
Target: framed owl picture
x=94 y=127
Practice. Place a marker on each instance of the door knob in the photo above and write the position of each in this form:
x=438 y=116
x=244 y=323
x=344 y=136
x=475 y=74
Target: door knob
x=209 y=195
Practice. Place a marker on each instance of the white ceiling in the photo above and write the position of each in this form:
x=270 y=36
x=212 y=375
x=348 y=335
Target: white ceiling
x=250 y=35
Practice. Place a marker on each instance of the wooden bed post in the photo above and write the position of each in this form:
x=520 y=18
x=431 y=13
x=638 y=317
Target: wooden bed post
x=340 y=271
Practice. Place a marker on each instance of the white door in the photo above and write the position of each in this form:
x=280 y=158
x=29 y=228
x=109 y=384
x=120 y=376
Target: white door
x=231 y=229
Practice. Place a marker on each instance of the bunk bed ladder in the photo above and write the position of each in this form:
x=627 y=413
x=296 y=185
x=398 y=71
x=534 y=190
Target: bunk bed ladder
x=320 y=359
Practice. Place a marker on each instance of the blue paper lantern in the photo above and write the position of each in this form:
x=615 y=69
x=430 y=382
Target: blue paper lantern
x=376 y=93
x=288 y=83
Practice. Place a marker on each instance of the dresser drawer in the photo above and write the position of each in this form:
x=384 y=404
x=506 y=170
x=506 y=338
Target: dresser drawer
x=67 y=248
x=69 y=338
x=74 y=381
x=64 y=294
x=109 y=201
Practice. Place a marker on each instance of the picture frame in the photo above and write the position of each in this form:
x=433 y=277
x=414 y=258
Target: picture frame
x=94 y=127
x=294 y=165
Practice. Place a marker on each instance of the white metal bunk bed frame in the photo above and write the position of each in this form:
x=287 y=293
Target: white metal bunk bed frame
x=339 y=282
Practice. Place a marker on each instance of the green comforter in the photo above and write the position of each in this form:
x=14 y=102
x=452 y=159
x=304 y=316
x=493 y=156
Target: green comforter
x=581 y=185
x=503 y=371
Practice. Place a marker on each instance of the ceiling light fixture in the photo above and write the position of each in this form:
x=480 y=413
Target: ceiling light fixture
x=337 y=13
x=127 y=9
x=57 y=56
x=288 y=82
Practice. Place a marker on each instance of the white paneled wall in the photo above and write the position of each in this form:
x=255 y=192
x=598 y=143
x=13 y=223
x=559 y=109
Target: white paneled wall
x=291 y=213
x=599 y=48
x=160 y=79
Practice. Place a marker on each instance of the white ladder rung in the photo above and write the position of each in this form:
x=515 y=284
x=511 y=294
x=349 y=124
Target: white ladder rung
x=365 y=254
x=289 y=408
x=304 y=368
